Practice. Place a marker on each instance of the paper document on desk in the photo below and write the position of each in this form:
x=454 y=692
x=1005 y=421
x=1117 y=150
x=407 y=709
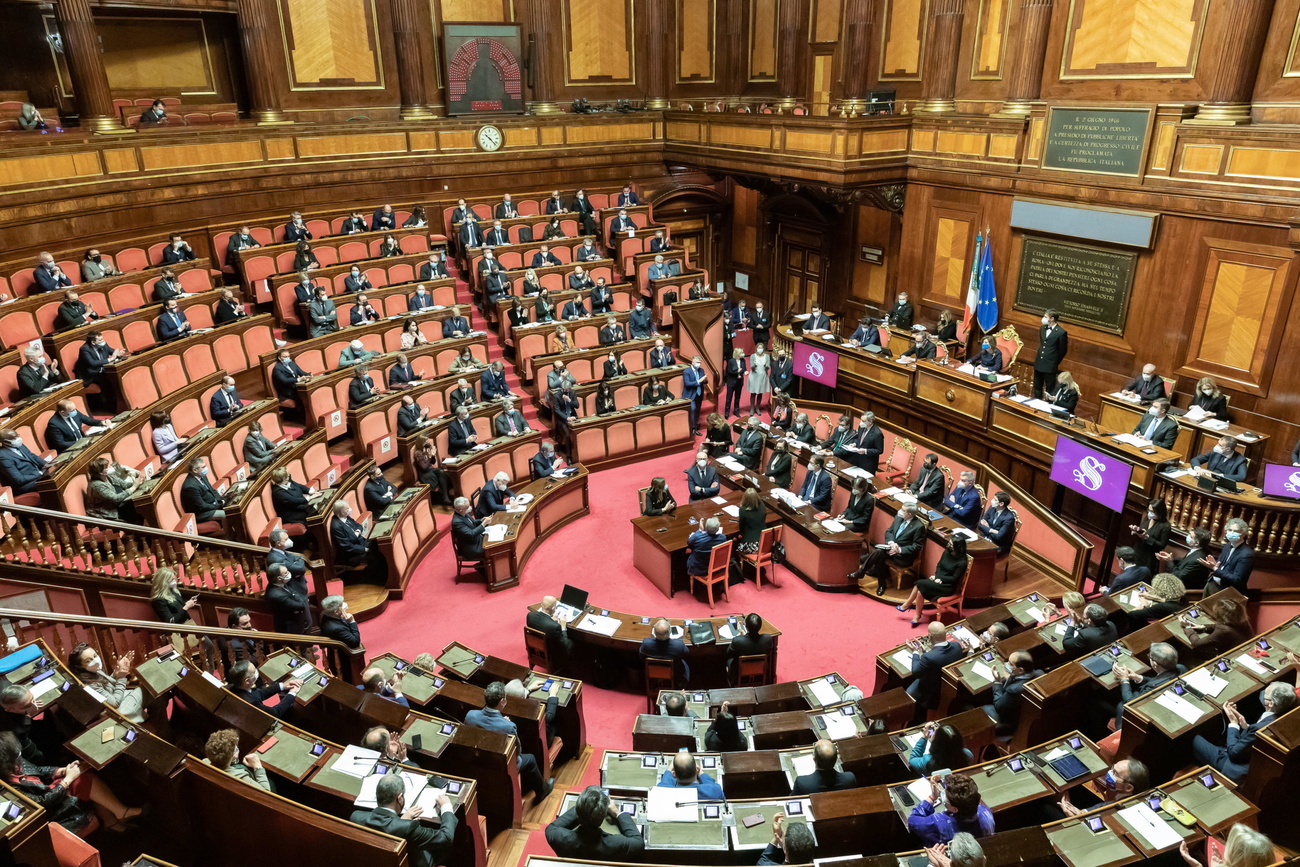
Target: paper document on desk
x=903 y=658
x=302 y=671
x=516 y=509
x=719 y=500
x=1194 y=413
x=891 y=491
x=600 y=624
x=966 y=368
x=733 y=511
x=839 y=726
x=1059 y=752
x=1247 y=660
x=1150 y=827
x=50 y=685
x=905 y=498
x=1215 y=424
x=1131 y=439
x=804 y=764
x=356 y=762
x=979 y=669
x=854 y=472
x=823 y=692
x=1131 y=398
x=968 y=535
x=661 y=804
x=1038 y=404
x=833 y=525
x=920 y=789
x=1178 y=705
x=913 y=739
x=99 y=428
x=369 y=785
x=427 y=801
x=495 y=532
x=1177 y=473
x=965 y=636
x=1036 y=613
x=1204 y=681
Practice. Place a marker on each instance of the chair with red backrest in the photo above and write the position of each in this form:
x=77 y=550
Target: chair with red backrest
x=660 y=674
x=1010 y=344
x=718 y=570
x=413 y=243
x=195 y=280
x=23 y=282
x=228 y=351
x=138 y=387
x=132 y=259
x=284 y=261
x=318 y=228
x=352 y=251
x=127 y=296
x=156 y=253
x=901 y=458
x=199 y=315
x=328 y=256
x=18 y=327
x=762 y=558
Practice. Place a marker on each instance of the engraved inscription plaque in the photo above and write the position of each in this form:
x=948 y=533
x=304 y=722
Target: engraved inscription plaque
x=1104 y=140
x=1088 y=285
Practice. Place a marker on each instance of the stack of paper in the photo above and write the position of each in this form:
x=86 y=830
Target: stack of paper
x=733 y=511
x=823 y=692
x=1179 y=705
x=356 y=762
x=1056 y=754
x=1132 y=398
x=854 y=472
x=1150 y=827
x=496 y=532
x=833 y=525
x=1131 y=439
x=1204 y=681
x=1194 y=413
x=911 y=741
x=1249 y=661
x=904 y=658
x=979 y=669
x=1035 y=612
x=1036 y=403
x=804 y=764
x=906 y=498
x=891 y=491
x=600 y=624
x=720 y=500
x=966 y=368
x=839 y=726
x=965 y=636
x=662 y=804
x=1020 y=398
x=920 y=789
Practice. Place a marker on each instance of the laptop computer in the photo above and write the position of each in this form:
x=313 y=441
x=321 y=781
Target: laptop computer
x=572 y=602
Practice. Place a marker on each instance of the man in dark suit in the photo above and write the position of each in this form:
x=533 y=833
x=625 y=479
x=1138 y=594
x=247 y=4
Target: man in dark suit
x=574 y=308
x=902 y=313
x=545 y=462
x=601 y=300
x=505 y=209
x=612 y=332
x=94 y=354
x=241 y=240
x=1053 y=344
x=199 y=497
x=1009 y=688
x=702 y=480
x=628 y=198
x=402 y=373
x=455 y=325
x=353 y=224
x=495 y=496
x=1235 y=562
x=817 y=320
x=20 y=467
x=462 y=395
x=586 y=212
x=864 y=451
x=280 y=555
x=49 y=276
x=227 y=309
x=640 y=320
x=383 y=219
x=1163 y=659
x=903 y=541
x=304 y=291
x=782 y=372
x=467 y=530
x=843 y=433
x=496 y=236
x=1093 y=634
x=928 y=664
x=286 y=376
x=1233 y=759
x=461 y=434
x=659 y=244
x=555 y=204
x=462 y=212
x=998 y=524
x=363 y=311
x=168 y=287
x=296 y=229
x=178 y=250
x=1157 y=426
x=578 y=832
x=362 y=388
x=470 y=233
x=225 y=402
x=866 y=334
x=322 y=316
x=511 y=422
x=492 y=381
x=963 y=502
x=620 y=225
x=36 y=375
x=242 y=679
x=66 y=426
x=580 y=280
x=1130 y=574
x=492 y=718
x=1146 y=386
x=928 y=485
x=427 y=845
x=172 y=324
x=559 y=646
x=661 y=356
x=434 y=268
x=825 y=778
x=661 y=645
x=289 y=498
x=73 y=312
x=586 y=252
x=818 y=488
x=749 y=448
x=1222 y=461
x=348 y=536
x=410 y=415
x=544 y=258
x=751 y=642
x=922 y=347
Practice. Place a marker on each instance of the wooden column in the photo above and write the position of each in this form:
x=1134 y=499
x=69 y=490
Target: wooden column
x=407 y=32
x=733 y=51
x=86 y=67
x=1025 y=79
x=792 y=43
x=855 y=76
x=1234 y=62
x=660 y=52
x=543 y=51
x=255 y=33
x=939 y=73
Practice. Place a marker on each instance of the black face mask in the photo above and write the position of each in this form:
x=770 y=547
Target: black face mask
x=95 y=258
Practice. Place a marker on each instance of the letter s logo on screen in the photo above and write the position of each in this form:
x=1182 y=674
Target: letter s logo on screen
x=1089 y=473
x=816 y=363
x=1293 y=483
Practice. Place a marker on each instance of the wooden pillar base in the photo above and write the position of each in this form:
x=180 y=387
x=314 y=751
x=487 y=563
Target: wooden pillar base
x=106 y=126
x=1235 y=114
x=543 y=108
x=416 y=112
x=851 y=107
x=657 y=104
x=271 y=117
x=935 y=106
x=1015 y=108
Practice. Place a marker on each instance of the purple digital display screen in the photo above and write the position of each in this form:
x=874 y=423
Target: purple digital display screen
x=1100 y=477
x=816 y=363
x=1281 y=480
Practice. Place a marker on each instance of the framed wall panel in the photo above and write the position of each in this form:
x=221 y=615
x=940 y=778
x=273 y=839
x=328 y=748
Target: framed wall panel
x=1133 y=38
x=473 y=10
x=902 y=39
x=762 y=40
x=331 y=44
x=599 y=47
x=164 y=53
x=952 y=234
x=824 y=21
x=696 y=40
x=1240 y=315
x=991 y=24
x=1291 y=69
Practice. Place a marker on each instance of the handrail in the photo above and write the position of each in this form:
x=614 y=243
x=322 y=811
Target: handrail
x=114 y=638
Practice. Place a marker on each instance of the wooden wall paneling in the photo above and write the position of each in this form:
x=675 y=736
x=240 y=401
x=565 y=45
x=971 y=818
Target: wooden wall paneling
x=1277 y=84
x=1127 y=39
x=823 y=66
x=745 y=223
x=824 y=21
x=600 y=47
x=159 y=54
x=953 y=233
x=902 y=39
x=870 y=281
x=697 y=22
x=992 y=30
x=332 y=44
x=474 y=10
x=29 y=61
x=763 y=34
x=1242 y=307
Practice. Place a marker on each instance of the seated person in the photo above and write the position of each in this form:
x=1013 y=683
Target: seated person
x=495 y=496
x=402 y=373
x=904 y=539
x=178 y=250
x=511 y=421
x=20 y=467
x=289 y=498
x=465 y=361
x=168 y=287
x=1091 y=635
x=374 y=682
x=241 y=240
x=426 y=844
x=362 y=388
x=1167 y=596
x=613 y=366
x=1165 y=668
x=67 y=427
x=723 y=734
x=802 y=431
x=462 y=395
x=1157 y=426
x=578 y=832
x=946 y=580
x=351 y=543
x=660 y=644
x=455 y=325
x=1223 y=461
x=73 y=312
x=434 y=268
x=461 y=433
x=702 y=480
x=287 y=376
x=857 y=511
x=922 y=347
x=1125 y=779
x=228 y=309
x=685 y=774
x=225 y=403
x=546 y=462
x=1146 y=386
x=749 y=447
x=296 y=229
x=655 y=393
x=640 y=322
x=964 y=811
x=1228 y=626
x=492 y=717
x=661 y=356
x=700 y=544
x=221 y=750
x=108 y=496
x=48 y=275
x=410 y=415
x=172 y=323
x=1130 y=574
x=544 y=258
x=1212 y=402
x=866 y=334
x=1066 y=395
x=826 y=778
x=658 y=499
x=492 y=382
x=580 y=280
x=1009 y=688
x=963 y=502
x=95 y=267
x=467 y=531
x=355 y=353
x=574 y=308
x=941 y=747
x=1233 y=758
x=674 y=704
x=378 y=493
x=363 y=311
x=989 y=358
x=927 y=487
x=612 y=332
x=242 y=679
x=496 y=236
x=258 y=449
x=792 y=843
x=78 y=800
x=355 y=222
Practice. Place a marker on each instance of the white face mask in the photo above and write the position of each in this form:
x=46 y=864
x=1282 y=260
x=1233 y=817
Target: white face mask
x=94 y=663
x=1218 y=450
x=1191 y=541
x=1146 y=377
x=1044 y=320
x=702 y=463
x=1207 y=391
x=288 y=543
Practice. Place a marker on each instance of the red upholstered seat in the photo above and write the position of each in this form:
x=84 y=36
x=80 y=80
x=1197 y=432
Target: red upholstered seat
x=318 y=228
x=328 y=256
x=719 y=566
x=132 y=259
x=284 y=261
x=17 y=327
x=169 y=374
x=413 y=243
x=195 y=280
x=257 y=269
x=512 y=260
x=228 y=350
x=403 y=273
x=138 y=388
x=156 y=253
x=127 y=296
x=23 y=281
x=352 y=251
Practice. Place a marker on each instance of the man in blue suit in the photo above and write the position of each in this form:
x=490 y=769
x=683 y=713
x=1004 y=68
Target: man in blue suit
x=702 y=479
x=66 y=427
x=1233 y=759
x=661 y=645
x=818 y=488
x=928 y=663
x=685 y=774
x=998 y=524
x=546 y=462
x=867 y=334
x=225 y=402
x=495 y=496
x=49 y=276
x=1222 y=461
x=492 y=382
x=421 y=300
x=20 y=467
x=1235 y=562
x=963 y=502
x=172 y=324
x=455 y=325
x=694 y=379
x=1130 y=573
x=490 y=717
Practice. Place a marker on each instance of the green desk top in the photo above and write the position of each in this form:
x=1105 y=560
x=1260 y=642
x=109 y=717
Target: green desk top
x=290 y=756
x=1213 y=808
x=328 y=778
x=787 y=759
x=1129 y=599
x=461 y=660
x=565 y=693
x=704 y=834
x=1171 y=723
x=22 y=672
x=760 y=835
x=834 y=681
x=432 y=737
x=1086 y=753
x=629 y=770
x=976 y=682
x=281 y=665
x=418 y=685
x=1020 y=609
x=1178 y=828
x=90 y=743
x=1080 y=847
x=1006 y=787
x=1128 y=660
x=1288 y=636
x=1054 y=634
x=160 y=675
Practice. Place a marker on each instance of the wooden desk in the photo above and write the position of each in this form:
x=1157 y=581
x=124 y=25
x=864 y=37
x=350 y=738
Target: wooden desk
x=254 y=264
x=1194 y=437
x=1275 y=523
x=637 y=433
x=555 y=503
x=620 y=297
x=947 y=387
x=533 y=341
x=887 y=375
x=586 y=365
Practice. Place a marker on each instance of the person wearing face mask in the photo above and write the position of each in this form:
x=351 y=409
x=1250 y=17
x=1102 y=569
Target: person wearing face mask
x=412 y=336
x=858 y=509
x=357 y=282
x=462 y=395
x=37 y=374
x=1053 y=344
x=1145 y=387
x=461 y=433
x=304 y=258
x=321 y=314
x=199 y=497
x=258 y=450
x=169 y=604
x=73 y=312
x=241 y=240
x=280 y=554
x=410 y=416
x=434 y=268
x=1066 y=396
x=989 y=358
x=1157 y=426
x=1189 y=569
x=289 y=501
x=927 y=487
x=702 y=480
x=94 y=354
x=1222 y=461
x=363 y=311
x=998 y=524
x=225 y=403
x=842 y=433
x=351 y=546
x=963 y=502
x=286 y=377
x=455 y=325
x=1212 y=403
x=495 y=496
x=1235 y=562
x=782 y=374
x=661 y=356
x=112 y=689
x=1125 y=778
x=296 y=230
x=67 y=427
x=228 y=309
x=902 y=313
x=108 y=495
x=818 y=487
x=1165 y=668
x=866 y=334
x=48 y=275
x=1091 y=632
x=173 y=323
x=94 y=267
x=612 y=332
x=546 y=462
x=168 y=287
x=178 y=250
x=780 y=465
x=1151 y=535
x=378 y=493
x=389 y=248
x=355 y=353
x=749 y=447
x=20 y=467
x=510 y=423
x=354 y=223
x=922 y=348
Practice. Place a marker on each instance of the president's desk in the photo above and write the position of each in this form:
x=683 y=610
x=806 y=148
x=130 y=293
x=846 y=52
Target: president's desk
x=601 y=658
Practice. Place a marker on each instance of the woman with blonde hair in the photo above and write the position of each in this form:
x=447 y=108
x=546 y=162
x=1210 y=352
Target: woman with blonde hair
x=532 y=285
x=1166 y=596
x=1066 y=395
x=946 y=327
x=169 y=603
x=560 y=340
x=1211 y=401
x=1245 y=847
x=717 y=435
x=759 y=383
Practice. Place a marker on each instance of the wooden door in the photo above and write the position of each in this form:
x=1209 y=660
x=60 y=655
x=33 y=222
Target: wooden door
x=803 y=271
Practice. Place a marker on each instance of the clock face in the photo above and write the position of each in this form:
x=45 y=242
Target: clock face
x=489 y=138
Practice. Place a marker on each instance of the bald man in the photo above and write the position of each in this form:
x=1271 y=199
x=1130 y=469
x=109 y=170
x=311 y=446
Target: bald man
x=686 y=774
x=826 y=778
x=661 y=645
x=559 y=646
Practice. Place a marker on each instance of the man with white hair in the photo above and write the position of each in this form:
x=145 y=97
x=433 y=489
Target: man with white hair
x=495 y=496
x=467 y=530
x=511 y=422
x=49 y=276
x=337 y=622
x=355 y=353
x=903 y=543
x=348 y=536
x=1165 y=668
x=962 y=851
x=462 y=395
x=699 y=545
x=1233 y=759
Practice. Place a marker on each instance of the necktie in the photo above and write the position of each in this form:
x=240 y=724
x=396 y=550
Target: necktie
x=1151 y=428
x=511 y=420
